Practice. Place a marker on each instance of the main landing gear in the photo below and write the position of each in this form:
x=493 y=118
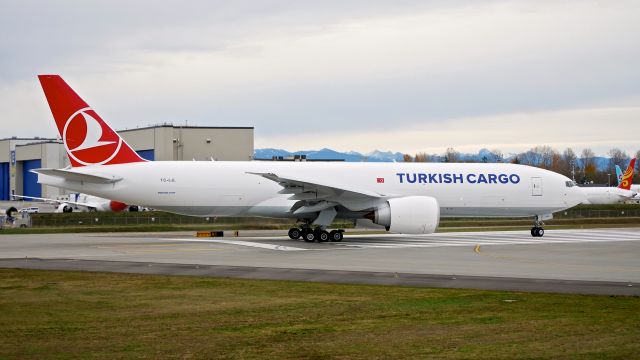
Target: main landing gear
x=537 y=230
x=310 y=235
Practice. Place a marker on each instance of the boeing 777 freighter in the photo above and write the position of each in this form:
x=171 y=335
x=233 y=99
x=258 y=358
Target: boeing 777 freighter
x=404 y=197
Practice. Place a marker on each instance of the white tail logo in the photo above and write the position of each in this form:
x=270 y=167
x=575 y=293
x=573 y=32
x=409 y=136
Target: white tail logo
x=91 y=139
x=94 y=133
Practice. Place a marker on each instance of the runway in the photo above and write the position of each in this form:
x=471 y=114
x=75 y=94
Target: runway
x=600 y=261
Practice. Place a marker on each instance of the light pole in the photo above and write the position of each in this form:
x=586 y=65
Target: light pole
x=609 y=179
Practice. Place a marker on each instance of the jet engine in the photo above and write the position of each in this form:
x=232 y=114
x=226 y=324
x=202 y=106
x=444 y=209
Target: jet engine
x=65 y=208
x=116 y=206
x=408 y=215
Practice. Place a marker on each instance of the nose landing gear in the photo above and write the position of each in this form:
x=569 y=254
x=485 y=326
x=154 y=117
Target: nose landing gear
x=537 y=230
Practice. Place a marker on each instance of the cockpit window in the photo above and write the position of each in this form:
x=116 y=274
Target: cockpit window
x=570 y=184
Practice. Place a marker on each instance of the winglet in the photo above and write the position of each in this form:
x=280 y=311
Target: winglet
x=87 y=138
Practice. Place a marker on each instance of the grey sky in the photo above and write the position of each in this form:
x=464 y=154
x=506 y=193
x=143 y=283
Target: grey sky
x=409 y=76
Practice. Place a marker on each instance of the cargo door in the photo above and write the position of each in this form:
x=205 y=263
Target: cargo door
x=536 y=186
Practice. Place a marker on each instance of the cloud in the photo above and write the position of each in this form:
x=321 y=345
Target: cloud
x=324 y=68
x=577 y=129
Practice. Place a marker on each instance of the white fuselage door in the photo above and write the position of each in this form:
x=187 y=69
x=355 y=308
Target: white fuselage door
x=536 y=186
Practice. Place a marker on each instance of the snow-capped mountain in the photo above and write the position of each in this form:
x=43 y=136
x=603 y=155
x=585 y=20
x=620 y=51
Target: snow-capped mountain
x=329 y=154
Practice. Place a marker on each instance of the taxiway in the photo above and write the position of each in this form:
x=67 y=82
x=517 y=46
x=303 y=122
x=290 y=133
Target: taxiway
x=602 y=261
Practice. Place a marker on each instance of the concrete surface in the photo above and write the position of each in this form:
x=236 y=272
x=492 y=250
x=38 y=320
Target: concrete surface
x=601 y=261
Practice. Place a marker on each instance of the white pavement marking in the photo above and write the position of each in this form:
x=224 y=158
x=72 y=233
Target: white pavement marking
x=395 y=241
x=243 y=243
x=486 y=238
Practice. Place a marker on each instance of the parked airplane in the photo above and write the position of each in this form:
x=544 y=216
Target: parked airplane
x=403 y=197
x=634 y=188
x=612 y=195
x=81 y=202
x=618 y=174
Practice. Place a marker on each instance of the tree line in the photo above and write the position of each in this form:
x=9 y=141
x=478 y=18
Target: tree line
x=581 y=167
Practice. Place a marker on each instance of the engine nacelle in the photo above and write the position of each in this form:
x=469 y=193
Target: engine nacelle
x=116 y=206
x=65 y=208
x=409 y=215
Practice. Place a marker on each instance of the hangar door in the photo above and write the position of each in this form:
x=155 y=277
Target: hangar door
x=4 y=181
x=146 y=154
x=30 y=186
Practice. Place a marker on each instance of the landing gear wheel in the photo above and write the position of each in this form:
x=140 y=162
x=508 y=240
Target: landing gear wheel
x=322 y=236
x=537 y=231
x=335 y=235
x=309 y=236
x=295 y=233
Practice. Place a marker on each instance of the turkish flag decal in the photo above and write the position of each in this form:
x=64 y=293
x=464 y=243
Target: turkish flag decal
x=380 y=180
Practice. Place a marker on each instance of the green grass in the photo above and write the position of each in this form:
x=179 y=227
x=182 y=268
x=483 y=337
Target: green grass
x=59 y=315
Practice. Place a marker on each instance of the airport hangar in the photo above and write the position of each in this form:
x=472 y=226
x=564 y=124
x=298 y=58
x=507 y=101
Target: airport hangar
x=160 y=143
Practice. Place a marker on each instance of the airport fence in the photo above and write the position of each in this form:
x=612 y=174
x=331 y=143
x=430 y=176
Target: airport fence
x=91 y=219
x=597 y=213
x=157 y=218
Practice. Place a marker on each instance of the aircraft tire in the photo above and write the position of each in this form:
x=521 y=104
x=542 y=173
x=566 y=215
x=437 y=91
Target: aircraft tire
x=309 y=236
x=295 y=233
x=323 y=236
x=537 y=232
x=336 y=235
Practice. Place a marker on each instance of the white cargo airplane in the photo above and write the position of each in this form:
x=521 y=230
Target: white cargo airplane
x=612 y=195
x=404 y=197
x=81 y=202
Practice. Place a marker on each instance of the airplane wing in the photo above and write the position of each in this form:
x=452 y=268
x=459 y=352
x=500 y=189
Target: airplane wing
x=316 y=196
x=56 y=201
x=47 y=200
x=77 y=176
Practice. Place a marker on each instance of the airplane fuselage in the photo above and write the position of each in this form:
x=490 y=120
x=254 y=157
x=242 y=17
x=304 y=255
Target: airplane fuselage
x=207 y=188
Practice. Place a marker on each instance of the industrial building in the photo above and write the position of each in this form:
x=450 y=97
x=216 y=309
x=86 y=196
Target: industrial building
x=159 y=143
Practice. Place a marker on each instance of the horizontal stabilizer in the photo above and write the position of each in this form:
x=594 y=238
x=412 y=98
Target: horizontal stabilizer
x=77 y=176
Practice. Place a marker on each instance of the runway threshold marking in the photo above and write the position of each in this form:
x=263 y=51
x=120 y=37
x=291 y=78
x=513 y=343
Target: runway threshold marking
x=245 y=243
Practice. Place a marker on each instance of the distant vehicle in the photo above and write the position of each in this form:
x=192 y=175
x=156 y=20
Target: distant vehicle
x=82 y=203
x=612 y=195
x=23 y=220
x=406 y=198
x=30 y=210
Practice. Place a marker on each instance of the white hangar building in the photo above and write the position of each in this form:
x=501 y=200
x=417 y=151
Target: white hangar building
x=159 y=143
